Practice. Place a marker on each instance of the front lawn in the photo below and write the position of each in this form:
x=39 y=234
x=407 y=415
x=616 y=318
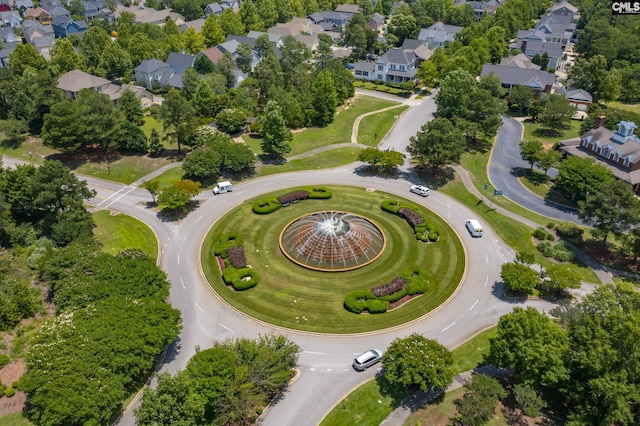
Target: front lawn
x=375 y=127
x=322 y=160
x=118 y=231
x=537 y=131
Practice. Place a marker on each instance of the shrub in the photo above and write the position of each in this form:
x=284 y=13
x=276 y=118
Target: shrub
x=418 y=280
x=9 y=392
x=395 y=296
x=390 y=206
x=394 y=286
x=551 y=225
x=318 y=193
x=433 y=236
x=240 y=279
x=411 y=216
x=224 y=242
x=15 y=384
x=563 y=253
x=356 y=301
x=569 y=230
x=266 y=206
x=237 y=257
x=540 y=233
x=4 y=360
x=377 y=306
x=293 y=196
x=546 y=248
x=528 y=399
x=550 y=236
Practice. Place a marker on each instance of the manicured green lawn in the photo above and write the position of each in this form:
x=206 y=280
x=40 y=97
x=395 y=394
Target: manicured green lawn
x=322 y=160
x=126 y=169
x=536 y=131
x=339 y=131
x=169 y=176
x=119 y=231
x=379 y=87
x=628 y=107
x=374 y=127
x=295 y=297
x=470 y=354
x=14 y=419
x=151 y=123
x=21 y=151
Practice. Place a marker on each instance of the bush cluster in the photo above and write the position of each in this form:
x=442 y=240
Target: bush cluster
x=237 y=257
x=542 y=234
x=412 y=281
x=423 y=229
x=570 y=231
x=271 y=204
x=561 y=251
x=9 y=392
x=4 y=360
x=224 y=243
x=241 y=279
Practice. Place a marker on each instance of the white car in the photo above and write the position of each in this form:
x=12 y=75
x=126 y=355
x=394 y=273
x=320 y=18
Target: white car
x=367 y=359
x=420 y=190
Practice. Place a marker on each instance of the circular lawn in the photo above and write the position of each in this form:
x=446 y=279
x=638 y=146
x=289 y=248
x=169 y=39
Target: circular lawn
x=289 y=295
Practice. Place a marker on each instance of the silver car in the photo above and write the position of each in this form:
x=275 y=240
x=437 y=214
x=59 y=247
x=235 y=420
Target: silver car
x=367 y=359
x=420 y=190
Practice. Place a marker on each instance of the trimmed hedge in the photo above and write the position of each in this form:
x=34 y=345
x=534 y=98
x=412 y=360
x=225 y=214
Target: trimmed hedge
x=9 y=392
x=235 y=277
x=418 y=280
x=425 y=230
x=357 y=301
x=391 y=206
x=266 y=206
x=561 y=251
x=270 y=205
x=542 y=234
x=224 y=242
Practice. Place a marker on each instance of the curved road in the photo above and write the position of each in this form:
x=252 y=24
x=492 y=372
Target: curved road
x=504 y=163
x=325 y=363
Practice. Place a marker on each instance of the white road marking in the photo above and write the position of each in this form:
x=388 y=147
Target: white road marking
x=328 y=369
x=226 y=328
x=185 y=237
x=132 y=188
x=474 y=305
x=115 y=193
x=198 y=306
x=182 y=282
x=486 y=280
x=199 y=219
x=448 y=327
x=178 y=260
x=486 y=256
x=312 y=369
x=315 y=353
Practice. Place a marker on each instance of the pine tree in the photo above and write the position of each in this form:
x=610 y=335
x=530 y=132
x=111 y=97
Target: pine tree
x=155 y=146
x=276 y=137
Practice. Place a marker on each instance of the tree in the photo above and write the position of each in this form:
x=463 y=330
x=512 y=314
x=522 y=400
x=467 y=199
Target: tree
x=115 y=61
x=131 y=108
x=522 y=96
x=244 y=58
x=202 y=163
x=356 y=35
x=25 y=56
x=382 y=161
x=528 y=400
x=153 y=186
x=294 y=54
x=175 y=401
x=132 y=138
x=250 y=17
x=403 y=26
x=231 y=120
x=155 y=146
x=548 y=159
x=177 y=116
x=478 y=404
x=324 y=99
x=532 y=344
x=177 y=196
x=231 y=23
x=611 y=208
x=561 y=277
x=193 y=41
x=276 y=137
x=190 y=81
x=541 y=60
x=59 y=128
x=438 y=143
x=268 y=12
x=101 y=122
x=212 y=31
x=497 y=42
x=204 y=100
x=578 y=177
x=94 y=42
x=557 y=112
x=530 y=151
x=593 y=75
x=263 y=46
x=190 y=9
x=418 y=361
x=203 y=65
x=64 y=57
x=455 y=89
x=519 y=277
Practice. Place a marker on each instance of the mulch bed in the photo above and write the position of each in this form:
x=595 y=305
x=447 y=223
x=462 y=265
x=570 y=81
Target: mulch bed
x=400 y=302
x=9 y=374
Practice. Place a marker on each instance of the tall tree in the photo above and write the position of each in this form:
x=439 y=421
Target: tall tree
x=519 y=277
x=438 y=143
x=204 y=100
x=244 y=58
x=530 y=151
x=556 y=112
x=250 y=17
x=94 y=42
x=548 y=159
x=177 y=116
x=403 y=26
x=193 y=41
x=231 y=23
x=25 y=56
x=276 y=137
x=522 y=96
x=115 y=61
x=64 y=57
x=324 y=99
x=579 y=177
x=190 y=81
x=418 y=361
x=131 y=107
x=59 y=129
x=268 y=12
x=611 y=208
x=593 y=75
x=212 y=31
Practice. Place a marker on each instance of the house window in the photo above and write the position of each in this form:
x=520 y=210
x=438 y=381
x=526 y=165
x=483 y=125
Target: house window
x=380 y=67
x=401 y=67
x=627 y=161
x=392 y=66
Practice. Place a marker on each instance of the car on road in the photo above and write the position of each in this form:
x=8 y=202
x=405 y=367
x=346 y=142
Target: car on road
x=420 y=190
x=367 y=359
x=222 y=187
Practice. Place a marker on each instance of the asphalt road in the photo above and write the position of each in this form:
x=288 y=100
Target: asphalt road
x=325 y=369
x=503 y=167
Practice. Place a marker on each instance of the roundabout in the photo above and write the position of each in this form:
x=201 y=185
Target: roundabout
x=304 y=297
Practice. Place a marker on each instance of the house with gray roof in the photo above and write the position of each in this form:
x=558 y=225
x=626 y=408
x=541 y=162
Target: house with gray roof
x=63 y=26
x=180 y=61
x=214 y=9
x=519 y=61
x=539 y=80
x=10 y=41
x=74 y=81
x=92 y=9
x=394 y=66
x=57 y=10
x=11 y=18
x=438 y=34
x=533 y=47
x=376 y=22
x=153 y=72
x=578 y=98
x=618 y=150
x=150 y=71
x=23 y=5
x=564 y=8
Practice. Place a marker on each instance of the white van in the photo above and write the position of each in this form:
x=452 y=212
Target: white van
x=474 y=228
x=222 y=187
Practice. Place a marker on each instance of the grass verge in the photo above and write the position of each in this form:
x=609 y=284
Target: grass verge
x=119 y=231
x=14 y=419
x=374 y=127
x=291 y=296
x=537 y=131
x=381 y=88
x=322 y=160
x=471 y=353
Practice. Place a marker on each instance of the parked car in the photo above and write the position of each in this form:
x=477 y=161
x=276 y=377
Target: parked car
x=420 y=190
x=367 y=359
x=222 y=187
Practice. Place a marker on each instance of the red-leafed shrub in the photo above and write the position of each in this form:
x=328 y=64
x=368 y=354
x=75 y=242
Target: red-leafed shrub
x=293 y=196
x=394 y=286
x=236 y=257
x=412 y=217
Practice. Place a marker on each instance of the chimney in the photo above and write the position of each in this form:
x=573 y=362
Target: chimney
x=600 y=121
x=523 y=47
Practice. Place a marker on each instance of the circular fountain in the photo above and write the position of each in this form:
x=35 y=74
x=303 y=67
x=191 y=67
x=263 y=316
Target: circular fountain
x=332 y=241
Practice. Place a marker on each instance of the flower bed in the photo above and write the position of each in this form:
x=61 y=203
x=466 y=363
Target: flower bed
x=424 y=230
x=236 y=257
x=233 y=263
x=270 y=205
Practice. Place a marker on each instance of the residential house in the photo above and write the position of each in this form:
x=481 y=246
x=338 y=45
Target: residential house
x=5 y=6
x=564 y=8
x=74 y=81
x=214 y=9
x=348 y=8
x=44 y=44
x=57 y=10
x=419 y=48
x=230 y=46
x=154 y=72
x=196 y=24
x=438 y=34
x=333 y=19
x=10 y=41
x=38 y=14
x=147 y=15
x=92 y=9
x=23 y=5
x=557 y=29
x=532 y=47
x=578 y=98
x=213 y=54
x=394 y=66
x=519 y=61
x=31 y=30
x=11 y=18
x=481 y=8
x=180 y=61
x=233 y=4
x=539 y=80
x=376 y=22
x=618 y=150
x=63 y=26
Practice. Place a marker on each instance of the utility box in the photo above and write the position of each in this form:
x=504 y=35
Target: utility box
x=222 y=187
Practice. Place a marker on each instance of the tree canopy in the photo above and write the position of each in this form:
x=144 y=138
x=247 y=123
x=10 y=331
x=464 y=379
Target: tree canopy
x=438 y=143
